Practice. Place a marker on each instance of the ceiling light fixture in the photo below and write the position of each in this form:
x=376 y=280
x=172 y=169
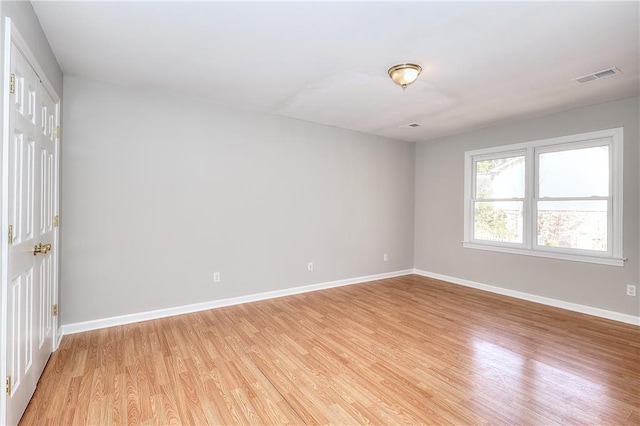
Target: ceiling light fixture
x=404 y=74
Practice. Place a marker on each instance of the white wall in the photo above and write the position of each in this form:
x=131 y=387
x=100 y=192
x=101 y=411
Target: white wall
x=160 y=192
x=439 y=214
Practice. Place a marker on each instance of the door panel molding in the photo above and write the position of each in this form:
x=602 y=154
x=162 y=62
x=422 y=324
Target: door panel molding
x=36 y=197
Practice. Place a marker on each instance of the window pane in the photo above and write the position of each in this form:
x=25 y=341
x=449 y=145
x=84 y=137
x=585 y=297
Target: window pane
x=574 y=173
x=573 y=224
x=499 y=221
x=500 y=178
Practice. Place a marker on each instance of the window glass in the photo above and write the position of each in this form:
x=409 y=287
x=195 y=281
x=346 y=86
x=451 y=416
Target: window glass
x=573 y=224
x=574 y=173
x=500 y=178
x=499 y=221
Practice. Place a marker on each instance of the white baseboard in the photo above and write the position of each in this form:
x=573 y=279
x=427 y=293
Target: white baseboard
x=179 y=310
x=602 y=313
x=79 y=327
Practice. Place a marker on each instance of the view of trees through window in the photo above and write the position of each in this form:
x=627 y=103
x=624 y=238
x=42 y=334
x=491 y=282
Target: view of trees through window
x=572 y=205
x=498 y=211
x=576 y=224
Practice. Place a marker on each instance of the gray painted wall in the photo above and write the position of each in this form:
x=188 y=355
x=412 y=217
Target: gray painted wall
x=160 y=192
x=439 y=214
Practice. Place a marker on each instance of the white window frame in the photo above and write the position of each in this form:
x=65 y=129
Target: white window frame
x=610 y=137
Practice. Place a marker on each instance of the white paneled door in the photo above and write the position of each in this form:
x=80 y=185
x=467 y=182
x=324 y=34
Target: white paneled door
x=31 y=266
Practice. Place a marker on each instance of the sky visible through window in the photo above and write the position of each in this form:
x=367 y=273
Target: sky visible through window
x=568 y=216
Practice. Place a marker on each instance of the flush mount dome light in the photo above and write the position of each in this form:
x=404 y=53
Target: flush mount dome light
x=404 y=74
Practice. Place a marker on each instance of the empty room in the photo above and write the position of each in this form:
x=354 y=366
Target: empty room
x=317 y=212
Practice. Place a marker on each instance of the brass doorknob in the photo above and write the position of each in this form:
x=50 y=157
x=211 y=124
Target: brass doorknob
x=41 y=248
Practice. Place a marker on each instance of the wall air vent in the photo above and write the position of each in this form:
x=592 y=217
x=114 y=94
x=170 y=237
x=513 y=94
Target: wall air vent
x=410 y=126
x=610 y=72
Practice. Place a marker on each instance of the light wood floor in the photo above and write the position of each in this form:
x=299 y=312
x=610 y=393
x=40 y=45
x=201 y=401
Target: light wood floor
x=403 y=350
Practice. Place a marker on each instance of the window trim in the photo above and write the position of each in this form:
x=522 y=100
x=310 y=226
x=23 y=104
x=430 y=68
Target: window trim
x=532 y=149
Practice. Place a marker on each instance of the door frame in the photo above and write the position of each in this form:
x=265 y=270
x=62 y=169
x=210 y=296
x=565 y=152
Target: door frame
x=11 y=34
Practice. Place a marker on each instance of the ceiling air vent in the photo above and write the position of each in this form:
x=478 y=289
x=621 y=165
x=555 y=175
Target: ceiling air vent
x=410 y=126
x=598 y=75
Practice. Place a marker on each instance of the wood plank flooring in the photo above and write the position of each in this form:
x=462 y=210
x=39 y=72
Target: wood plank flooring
x=403 y=350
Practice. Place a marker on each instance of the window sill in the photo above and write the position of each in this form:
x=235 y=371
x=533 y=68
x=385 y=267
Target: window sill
x=611 y=261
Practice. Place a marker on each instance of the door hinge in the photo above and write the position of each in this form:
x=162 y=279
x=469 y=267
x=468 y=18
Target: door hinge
x=12 y=83
x=54 y=310
x=56 y=132
x=56 y=221
x=10 y=238
x=8 y=386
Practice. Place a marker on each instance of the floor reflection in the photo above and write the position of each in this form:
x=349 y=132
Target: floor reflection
x=526 y=385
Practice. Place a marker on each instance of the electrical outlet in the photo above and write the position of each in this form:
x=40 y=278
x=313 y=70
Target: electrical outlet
x=385 y=257
x=310 y=266
x=216 y=277
x=631 y=290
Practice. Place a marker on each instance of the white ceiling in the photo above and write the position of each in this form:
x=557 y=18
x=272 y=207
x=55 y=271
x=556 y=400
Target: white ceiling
x=484 y=63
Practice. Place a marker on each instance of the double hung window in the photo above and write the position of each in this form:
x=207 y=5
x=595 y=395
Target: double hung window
x=559 y=198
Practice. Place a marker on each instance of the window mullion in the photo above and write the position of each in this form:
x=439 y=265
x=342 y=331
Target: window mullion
x=529 y=194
